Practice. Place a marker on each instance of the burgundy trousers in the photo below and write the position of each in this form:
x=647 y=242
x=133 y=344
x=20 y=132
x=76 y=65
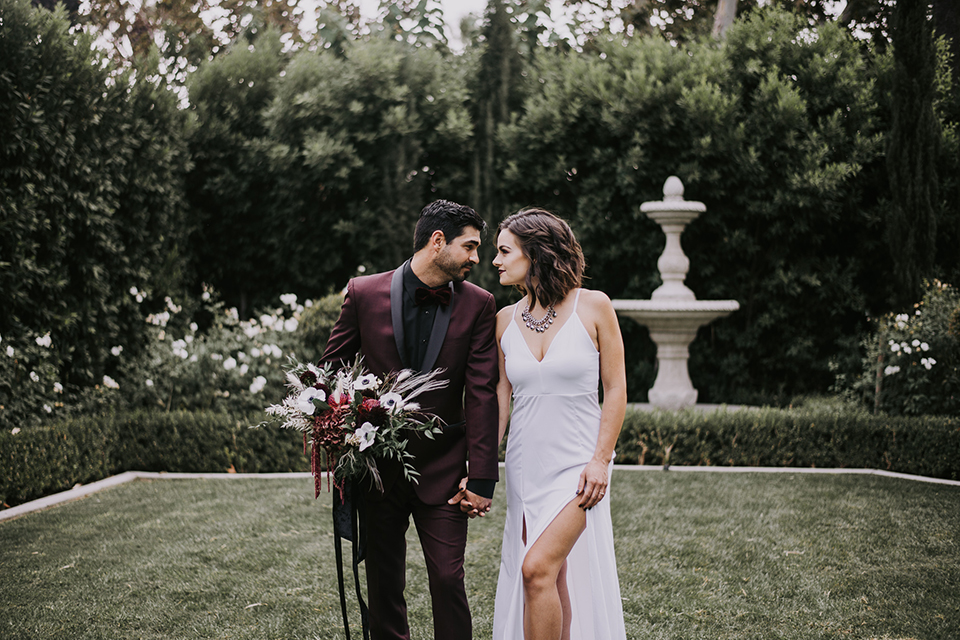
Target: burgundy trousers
x=443 y=537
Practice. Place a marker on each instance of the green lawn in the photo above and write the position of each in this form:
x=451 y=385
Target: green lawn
x=701 y=555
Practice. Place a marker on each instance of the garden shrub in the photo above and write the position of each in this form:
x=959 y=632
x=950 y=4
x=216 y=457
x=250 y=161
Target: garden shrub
x=43 y=460
x=824 y=437
x=912 y=363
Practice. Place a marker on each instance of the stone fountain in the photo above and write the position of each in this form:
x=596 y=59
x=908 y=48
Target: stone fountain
x=673 y=314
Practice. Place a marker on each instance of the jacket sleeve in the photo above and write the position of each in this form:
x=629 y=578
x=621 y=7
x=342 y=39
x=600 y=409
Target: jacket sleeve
x=480 y=399
x=344 y=342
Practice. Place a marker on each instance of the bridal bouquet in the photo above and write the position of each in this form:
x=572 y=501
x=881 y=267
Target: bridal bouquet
x=352 y=418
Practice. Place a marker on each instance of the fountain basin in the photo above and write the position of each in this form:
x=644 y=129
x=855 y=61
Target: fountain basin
x=673 y=325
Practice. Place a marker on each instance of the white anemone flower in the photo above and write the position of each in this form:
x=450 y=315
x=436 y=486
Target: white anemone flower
x=110 y=383
x=10 y=351
x=117 y=350
x=889 y=371
x=306 y=398
x=289 y=299
x=290 y=325
x=45 y=341
x=244 y=368
x=229 y=364
x=367 y=433
x=367 y=381
x=34 y=376
x=894 y=347
x=392 y=402
x=924 y=346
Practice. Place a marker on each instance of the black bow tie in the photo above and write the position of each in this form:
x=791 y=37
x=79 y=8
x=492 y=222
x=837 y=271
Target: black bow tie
x=439 y=296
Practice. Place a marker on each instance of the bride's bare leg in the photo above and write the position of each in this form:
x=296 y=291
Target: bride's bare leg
x=543 y=610
x=564 y=601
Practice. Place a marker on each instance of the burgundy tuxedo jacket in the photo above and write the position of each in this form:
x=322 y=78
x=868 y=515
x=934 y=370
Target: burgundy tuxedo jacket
x=463 y=343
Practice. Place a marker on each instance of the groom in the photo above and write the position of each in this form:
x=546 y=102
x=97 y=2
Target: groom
x=424 y=316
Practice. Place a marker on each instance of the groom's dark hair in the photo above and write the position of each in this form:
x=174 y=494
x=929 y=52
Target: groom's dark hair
x=447 y=217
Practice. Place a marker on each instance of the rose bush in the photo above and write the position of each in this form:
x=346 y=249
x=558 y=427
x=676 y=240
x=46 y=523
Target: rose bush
x=912 y=366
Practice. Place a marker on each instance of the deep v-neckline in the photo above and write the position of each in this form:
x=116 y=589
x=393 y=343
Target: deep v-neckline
x=546 y=351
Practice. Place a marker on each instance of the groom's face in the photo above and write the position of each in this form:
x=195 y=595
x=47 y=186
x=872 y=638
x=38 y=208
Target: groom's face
x=456 y=258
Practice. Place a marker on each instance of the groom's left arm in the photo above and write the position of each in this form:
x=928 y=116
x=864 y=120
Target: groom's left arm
x=480 y=403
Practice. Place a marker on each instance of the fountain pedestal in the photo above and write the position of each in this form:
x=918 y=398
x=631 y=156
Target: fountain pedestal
x=673 y=314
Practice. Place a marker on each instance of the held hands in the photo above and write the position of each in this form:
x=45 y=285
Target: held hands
x=593 y=483
x=470 y=503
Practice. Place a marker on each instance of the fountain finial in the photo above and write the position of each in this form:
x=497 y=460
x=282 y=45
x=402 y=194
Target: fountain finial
x=672 y=189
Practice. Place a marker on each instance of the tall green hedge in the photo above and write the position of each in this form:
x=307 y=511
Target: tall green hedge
x=92 y=161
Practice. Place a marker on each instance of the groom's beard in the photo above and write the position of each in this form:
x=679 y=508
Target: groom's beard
x=456 y=271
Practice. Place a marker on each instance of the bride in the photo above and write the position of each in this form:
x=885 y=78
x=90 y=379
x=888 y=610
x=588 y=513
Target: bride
x=558 y=573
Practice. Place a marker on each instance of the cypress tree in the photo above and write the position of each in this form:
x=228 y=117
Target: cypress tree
x=495 y=97
x=912 y=151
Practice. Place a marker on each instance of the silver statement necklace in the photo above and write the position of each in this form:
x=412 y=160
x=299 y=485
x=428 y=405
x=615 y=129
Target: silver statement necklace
x=538 y=325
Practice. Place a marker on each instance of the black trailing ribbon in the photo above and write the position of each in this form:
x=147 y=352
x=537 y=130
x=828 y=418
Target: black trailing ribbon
x=349 y=523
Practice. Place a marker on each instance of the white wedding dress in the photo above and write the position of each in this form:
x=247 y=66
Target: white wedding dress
x=553 y=434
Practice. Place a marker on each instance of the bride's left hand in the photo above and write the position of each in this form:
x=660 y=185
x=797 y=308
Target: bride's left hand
x=593 y=483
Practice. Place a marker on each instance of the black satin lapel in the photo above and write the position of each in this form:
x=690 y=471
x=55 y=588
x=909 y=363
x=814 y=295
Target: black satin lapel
x=440 y=323
x=396 y=313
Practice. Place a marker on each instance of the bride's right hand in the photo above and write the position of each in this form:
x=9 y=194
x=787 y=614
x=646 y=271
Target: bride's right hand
x=593 y=484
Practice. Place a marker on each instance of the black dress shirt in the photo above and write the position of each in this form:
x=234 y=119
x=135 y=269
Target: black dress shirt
x=417 y=326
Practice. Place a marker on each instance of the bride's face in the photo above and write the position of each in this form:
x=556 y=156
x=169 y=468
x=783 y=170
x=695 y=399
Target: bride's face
x=510 y=261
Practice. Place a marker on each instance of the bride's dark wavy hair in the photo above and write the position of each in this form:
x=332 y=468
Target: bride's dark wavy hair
x=556 y=259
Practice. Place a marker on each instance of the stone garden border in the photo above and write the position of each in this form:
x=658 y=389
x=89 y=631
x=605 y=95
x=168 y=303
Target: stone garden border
x=81 y=491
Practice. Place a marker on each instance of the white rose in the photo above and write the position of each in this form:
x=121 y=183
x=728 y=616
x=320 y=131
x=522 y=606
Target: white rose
x=258 y=384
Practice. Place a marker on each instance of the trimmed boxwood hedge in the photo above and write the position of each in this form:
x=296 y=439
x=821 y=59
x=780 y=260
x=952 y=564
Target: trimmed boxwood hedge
x=819 y=437
x=43 y=460
x=39 y=461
